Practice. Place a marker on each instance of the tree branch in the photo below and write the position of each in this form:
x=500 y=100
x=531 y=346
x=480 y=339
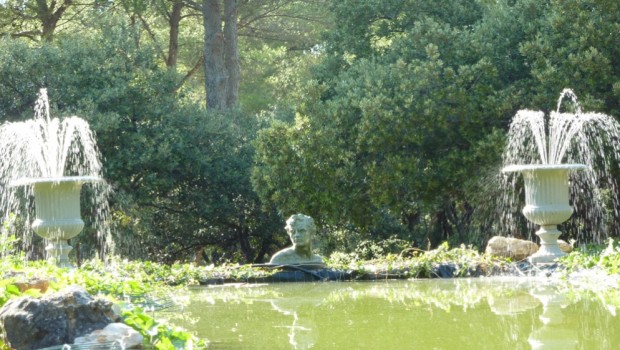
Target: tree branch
x=148 y=29
x=191 y=72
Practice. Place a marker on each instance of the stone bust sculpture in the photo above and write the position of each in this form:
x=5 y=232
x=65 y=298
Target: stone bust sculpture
x=301 y=230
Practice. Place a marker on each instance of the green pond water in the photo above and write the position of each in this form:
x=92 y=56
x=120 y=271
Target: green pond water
x=484 y=313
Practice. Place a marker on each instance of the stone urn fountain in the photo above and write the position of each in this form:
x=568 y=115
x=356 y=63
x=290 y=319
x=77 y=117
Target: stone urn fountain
x=560 y=157
x=546 y=204
x=57 y=213
x=36 y=155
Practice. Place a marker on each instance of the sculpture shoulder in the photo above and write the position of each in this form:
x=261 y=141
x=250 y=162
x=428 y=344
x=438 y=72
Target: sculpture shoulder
x=290 y=256
x=316 y=259
x=284 y=256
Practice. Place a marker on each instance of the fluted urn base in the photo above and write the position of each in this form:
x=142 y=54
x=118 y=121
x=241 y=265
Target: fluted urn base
x=549 y=248
x=58 y=253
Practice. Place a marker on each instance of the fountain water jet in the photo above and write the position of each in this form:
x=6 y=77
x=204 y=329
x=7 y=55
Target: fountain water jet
x=49 y=159
x=547 y=154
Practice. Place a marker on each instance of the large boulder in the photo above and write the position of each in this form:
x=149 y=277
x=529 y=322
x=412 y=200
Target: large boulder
x=508 y=247
x=55 y=319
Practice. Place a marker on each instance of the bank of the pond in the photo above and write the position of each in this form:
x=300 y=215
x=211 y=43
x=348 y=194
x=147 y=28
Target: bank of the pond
x=265 y=273
x=300 y=273
x=443 y=262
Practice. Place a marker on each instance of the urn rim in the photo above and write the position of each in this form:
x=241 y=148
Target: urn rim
x=55 y=180
x=534 y=167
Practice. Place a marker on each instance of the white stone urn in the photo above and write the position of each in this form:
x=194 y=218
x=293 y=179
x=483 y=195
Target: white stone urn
x=57 y=213
x=546 y=204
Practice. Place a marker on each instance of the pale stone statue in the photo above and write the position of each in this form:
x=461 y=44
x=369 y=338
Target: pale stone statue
x=301 y=229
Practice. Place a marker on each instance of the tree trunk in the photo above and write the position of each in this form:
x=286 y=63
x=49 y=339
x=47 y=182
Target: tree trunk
x=244 y=244
x=198 y=252
x=174 y=21
x=231 y=52
x=258 y=258
x=49 y=17
x=215 y=69
x=222 y=73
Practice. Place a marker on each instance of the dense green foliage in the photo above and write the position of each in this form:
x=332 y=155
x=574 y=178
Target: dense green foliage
x=401 y=130
x=387 y=128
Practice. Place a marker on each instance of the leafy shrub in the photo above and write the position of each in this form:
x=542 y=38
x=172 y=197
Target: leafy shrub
x=368 y=249
x=605 y=257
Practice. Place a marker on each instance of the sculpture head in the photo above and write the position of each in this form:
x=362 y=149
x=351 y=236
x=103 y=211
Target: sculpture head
x=301 y=230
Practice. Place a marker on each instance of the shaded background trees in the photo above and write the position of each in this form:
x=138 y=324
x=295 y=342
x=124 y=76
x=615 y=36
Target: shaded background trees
x=178 y=172
x=386 y=124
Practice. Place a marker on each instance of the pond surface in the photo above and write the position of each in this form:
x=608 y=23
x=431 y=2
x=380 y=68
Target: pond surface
x=484 y=313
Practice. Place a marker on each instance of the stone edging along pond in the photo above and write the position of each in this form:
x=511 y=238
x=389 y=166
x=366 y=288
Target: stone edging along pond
x=301 y=273
x=442 y=262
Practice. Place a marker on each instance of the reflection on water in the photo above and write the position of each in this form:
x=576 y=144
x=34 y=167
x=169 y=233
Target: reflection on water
x=300 y=335
x=556 y=331
x=509 y=313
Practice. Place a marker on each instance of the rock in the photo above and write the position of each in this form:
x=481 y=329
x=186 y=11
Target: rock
x=55 y=319
x=450 y=270
x=39 y=284
x=118 y=333
x=564 y=246
x=508 y=247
